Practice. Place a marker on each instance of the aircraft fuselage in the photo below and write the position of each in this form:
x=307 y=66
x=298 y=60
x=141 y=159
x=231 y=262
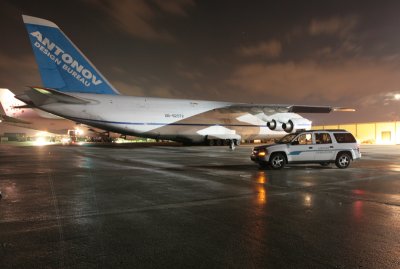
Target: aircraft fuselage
x=175 y=119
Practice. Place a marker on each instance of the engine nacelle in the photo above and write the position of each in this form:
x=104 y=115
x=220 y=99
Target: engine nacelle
x=271 y=124
x=296 y=124
x=274 y=125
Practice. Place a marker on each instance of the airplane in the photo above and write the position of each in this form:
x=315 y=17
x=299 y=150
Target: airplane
x=74 y=89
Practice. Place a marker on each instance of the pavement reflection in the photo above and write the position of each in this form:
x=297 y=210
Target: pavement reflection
x=186 y=207
x=262 y=180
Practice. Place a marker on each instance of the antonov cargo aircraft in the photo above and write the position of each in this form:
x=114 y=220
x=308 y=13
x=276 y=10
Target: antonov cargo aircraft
x=74 y=89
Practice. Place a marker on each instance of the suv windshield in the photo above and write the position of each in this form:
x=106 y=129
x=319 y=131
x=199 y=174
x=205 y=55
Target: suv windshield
x=286 y=139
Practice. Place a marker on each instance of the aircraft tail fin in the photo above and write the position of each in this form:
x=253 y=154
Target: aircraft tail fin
x=61 y=64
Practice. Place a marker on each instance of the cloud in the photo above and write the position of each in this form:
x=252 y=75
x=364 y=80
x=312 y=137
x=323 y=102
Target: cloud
x=176 y=7
x=383 y=98
x=342 y=28
x=191 y=75
x=164 y=91
x=188 y=72
x=18 y=72
x=128 y=88
x=268 y=49
x=132 y=87
x=339 y=26
x=310 y=82
x=138 y=17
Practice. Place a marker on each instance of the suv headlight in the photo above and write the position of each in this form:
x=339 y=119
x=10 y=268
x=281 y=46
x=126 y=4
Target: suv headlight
x=262 y=152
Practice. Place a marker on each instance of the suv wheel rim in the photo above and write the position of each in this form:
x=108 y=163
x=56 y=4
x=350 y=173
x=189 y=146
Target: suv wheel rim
x=344 y=160
x=277 y=161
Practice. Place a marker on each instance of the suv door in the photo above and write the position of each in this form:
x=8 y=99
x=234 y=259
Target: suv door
x=325 y=150
x=302 y=148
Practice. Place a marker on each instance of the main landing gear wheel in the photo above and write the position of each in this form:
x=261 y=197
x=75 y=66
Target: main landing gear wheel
x=343 y=160
x=277 y=161
x=232 y=144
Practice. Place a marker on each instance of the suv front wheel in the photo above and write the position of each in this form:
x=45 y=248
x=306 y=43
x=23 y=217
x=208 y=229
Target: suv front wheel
x=277 y=161
x=343 y=160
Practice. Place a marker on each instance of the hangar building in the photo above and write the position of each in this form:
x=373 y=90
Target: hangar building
x=380 y=133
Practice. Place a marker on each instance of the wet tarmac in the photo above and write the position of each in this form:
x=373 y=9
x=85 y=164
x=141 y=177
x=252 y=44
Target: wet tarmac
x=194 y=207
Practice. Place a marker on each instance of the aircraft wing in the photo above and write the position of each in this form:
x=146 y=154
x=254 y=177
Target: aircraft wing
x=269 y=109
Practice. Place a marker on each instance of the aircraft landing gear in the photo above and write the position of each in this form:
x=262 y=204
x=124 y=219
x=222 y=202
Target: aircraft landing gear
x=232 y=144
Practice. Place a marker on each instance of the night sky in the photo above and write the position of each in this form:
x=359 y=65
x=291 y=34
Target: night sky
x=339 y=53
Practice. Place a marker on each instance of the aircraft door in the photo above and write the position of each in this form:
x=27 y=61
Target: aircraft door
x=302 y=148
x=324 y=148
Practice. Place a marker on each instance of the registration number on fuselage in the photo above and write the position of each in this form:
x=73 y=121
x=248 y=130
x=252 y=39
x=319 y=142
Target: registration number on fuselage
x=176 y=116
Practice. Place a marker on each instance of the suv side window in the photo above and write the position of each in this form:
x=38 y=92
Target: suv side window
x=323 y=138
x=344 y=138
x=304 y=139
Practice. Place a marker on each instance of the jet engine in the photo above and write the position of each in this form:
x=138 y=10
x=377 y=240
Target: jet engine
x=293 y=125
x=271 y=124
x=274 y=125
x=288 y=122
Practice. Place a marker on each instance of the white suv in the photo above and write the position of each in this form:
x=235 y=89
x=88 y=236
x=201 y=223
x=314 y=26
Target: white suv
x=316 y=146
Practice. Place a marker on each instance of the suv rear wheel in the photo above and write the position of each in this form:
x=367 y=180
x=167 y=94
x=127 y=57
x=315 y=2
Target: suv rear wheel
x=343 y=160
x=277 y=161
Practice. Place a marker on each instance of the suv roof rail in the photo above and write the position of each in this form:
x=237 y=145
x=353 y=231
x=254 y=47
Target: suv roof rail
x=326 y=130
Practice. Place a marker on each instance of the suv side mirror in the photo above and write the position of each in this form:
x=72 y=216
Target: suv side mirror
x=295 y=143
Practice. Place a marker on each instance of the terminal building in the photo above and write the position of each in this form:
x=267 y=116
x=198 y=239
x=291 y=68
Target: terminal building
x=380 y=133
